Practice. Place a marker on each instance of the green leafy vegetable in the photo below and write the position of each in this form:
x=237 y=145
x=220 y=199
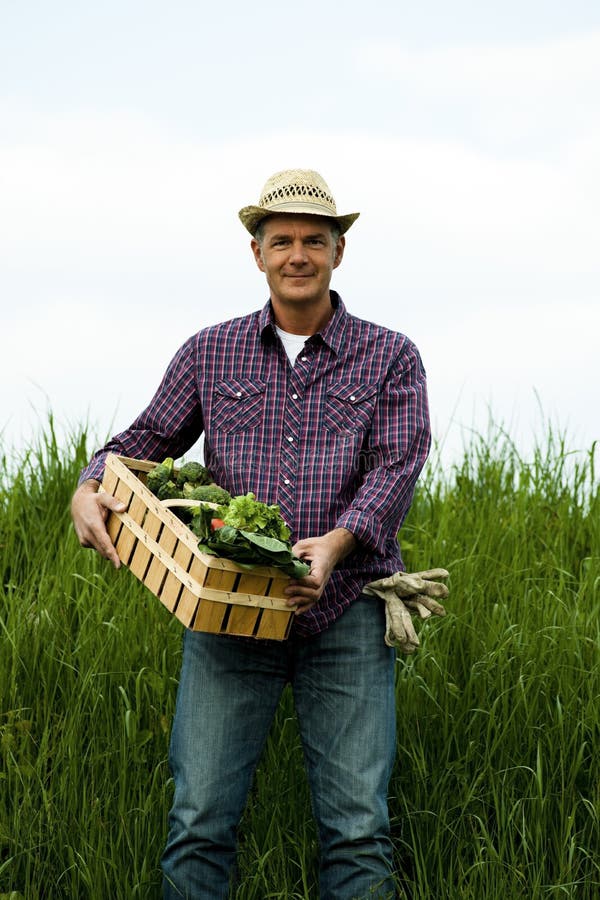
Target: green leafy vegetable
x=247 y=513
x=248 y=548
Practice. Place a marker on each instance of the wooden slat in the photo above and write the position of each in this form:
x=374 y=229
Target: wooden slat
x=155 y=577
x=219 y=579
x=113 y=522
x=188 y=600
x=245 y=619
x=126 y=539
x=171 y=590
x=274 y=624
x=251 y=583
x=186 y=607
x=198 y=571
x=238 y=599
x=137 y=510
x=137 y=465
x=209 y=616
x=278 y=586
x=182 y=555
x=242 y=620
x=142 y=553
x=139 y=562
x=125 y=544
x=157 y=570
x=109 y=481
x=113 y=527
x=124 y=491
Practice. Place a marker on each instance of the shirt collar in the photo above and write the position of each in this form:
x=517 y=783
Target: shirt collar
x=333 y=334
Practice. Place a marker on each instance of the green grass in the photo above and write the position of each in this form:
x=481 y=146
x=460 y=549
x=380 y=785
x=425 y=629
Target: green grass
x=496 y=792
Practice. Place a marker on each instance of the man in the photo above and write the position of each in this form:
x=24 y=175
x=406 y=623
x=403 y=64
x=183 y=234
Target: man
x=326 y=415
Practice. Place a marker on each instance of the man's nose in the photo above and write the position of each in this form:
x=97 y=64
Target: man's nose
x=298 y=253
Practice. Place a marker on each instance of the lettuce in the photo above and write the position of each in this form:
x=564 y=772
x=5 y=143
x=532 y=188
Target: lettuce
x=246 y=513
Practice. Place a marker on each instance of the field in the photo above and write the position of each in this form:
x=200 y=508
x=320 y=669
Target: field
x=496 y=792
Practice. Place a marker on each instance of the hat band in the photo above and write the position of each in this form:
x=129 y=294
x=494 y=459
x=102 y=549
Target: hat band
x=300 y=206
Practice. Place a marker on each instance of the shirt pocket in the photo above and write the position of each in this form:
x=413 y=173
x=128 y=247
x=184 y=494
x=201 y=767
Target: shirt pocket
x=349 y=406
x=238 y=404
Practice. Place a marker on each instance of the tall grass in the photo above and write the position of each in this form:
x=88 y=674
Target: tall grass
x=498 y=778
x=496 y=792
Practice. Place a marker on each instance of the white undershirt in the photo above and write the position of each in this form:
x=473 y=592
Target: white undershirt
x=293 y=343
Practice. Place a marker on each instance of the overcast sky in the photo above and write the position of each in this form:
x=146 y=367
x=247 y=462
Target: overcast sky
x=467 y=134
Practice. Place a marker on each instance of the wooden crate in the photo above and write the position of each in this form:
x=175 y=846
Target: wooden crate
x=204 y=592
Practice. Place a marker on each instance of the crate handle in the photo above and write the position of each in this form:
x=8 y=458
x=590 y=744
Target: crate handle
x=183 y=502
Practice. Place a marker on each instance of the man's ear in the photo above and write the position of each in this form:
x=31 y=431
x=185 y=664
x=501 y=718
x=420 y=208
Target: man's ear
x=339 y=251
x=256 y=249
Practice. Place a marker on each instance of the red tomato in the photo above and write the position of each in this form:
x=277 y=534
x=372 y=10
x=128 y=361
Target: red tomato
x=216 y=523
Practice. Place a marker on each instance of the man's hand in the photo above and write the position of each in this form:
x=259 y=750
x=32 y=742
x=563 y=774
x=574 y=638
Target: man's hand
x=323 y=553
x=89 y=510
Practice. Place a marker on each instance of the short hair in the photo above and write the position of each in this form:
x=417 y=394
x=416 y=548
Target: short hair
x=259 y=234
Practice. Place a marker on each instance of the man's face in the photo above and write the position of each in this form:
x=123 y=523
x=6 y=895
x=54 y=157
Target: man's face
x=298 y=255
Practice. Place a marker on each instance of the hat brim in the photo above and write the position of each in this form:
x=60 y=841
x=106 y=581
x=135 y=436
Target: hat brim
x=250 y=216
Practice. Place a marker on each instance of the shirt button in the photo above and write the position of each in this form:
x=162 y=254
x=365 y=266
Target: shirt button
x=238 y=394
x=352 y=397
x=303 y=358
x=286 y=481
x=294 y=396
x=290 y=439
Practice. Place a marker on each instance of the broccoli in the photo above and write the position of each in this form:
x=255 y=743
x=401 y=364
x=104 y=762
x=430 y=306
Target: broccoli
x=159 y=475
x=211 y=493
x=169 y=491
x=194 y=473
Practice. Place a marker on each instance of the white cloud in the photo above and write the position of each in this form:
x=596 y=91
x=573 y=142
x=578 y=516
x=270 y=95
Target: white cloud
x=553 y=67
x=504 y=93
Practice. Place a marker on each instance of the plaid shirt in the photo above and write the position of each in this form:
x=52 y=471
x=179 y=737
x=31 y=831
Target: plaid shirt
x=337 y=440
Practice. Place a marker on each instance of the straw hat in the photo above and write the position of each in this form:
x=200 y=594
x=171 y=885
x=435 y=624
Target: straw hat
x=295 y=191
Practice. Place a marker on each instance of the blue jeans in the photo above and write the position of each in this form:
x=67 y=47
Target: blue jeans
x=343 y=687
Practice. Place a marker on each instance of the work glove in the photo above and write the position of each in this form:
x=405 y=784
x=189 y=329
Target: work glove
x=407 y=594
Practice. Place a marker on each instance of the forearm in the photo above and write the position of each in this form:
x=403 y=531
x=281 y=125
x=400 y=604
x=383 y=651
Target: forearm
x=340 y=542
